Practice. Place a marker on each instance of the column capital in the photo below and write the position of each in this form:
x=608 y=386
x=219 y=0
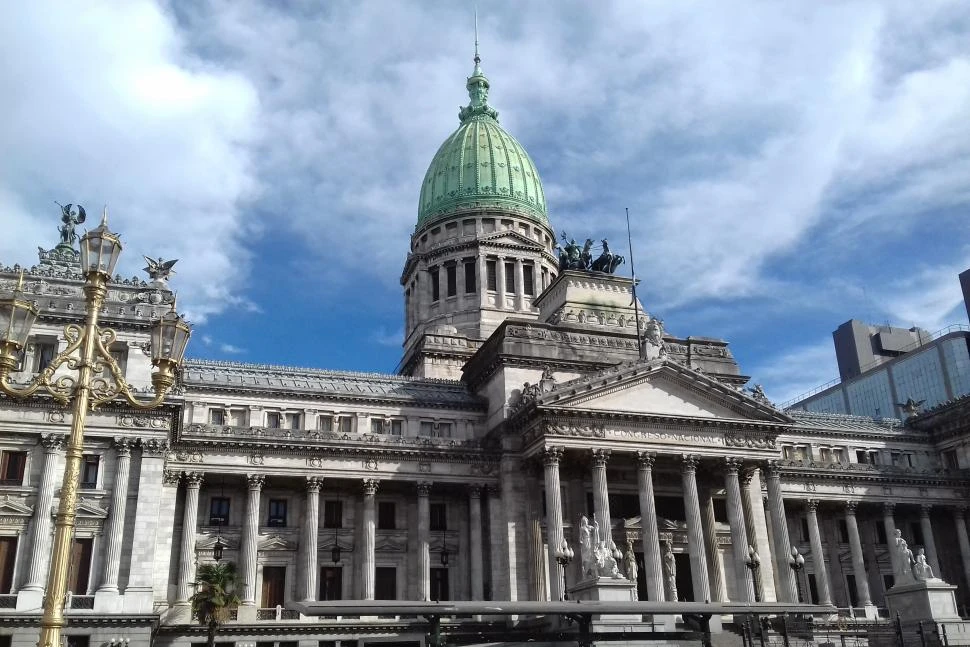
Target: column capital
x=370 y=486
x=122 y=445
x=255 y=481
x=52 y=442
x=888 y=508
x=688 y=463
x=851 y=507
x=171 y=478
x=475 y=491
x=551 y=455
x=732 y=464
x=194 y=479
x=746 y=474
x=600 y=457
x=772 y=470
x=153 y=446
x=924 y=510
x=811 y=505
x=313 y=484
x=423 y=487
x=645 y=460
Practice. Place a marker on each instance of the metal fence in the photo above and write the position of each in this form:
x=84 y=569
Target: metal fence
x=805 y=631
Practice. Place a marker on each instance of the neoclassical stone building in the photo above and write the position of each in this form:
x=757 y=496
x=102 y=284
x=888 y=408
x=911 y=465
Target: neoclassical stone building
x=526 y=398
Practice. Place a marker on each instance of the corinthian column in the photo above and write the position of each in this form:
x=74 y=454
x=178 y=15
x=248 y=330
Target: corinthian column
x=550 y=459
x=695 y=530
x=40 y=552
x=190 y=518
x=250 y=531
x=739 y=532
x=424 y=541
x=367 y=540
x=960 y=518
x=601 y=496
x=311 y=529
x=928 y=542
x=855 y=546
x=818 y=559
x=520 y=285
x=889 y=524
x=648 y=528
x=475 y=541
x=116 y=522
x=788 y=587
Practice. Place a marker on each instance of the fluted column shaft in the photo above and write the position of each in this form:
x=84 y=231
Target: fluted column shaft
x=858 y=563
x=190 y=519
x=648 y=528
x=551 y=458
x=929 y=543
x=40 y=553
x=309 y=550
x=475 y=541
x=961 y=523
x=368 y=530
x=739 y=532
x=601 y=496
x=537 y=563
x=248 y=546
x=695 y=531
x=519 y=285
x=788 y=586
x=500 y=282
x=889 y=524
x=818 y=558
x=116 y=523
x=482 y=281
x=424 y=541
x=713 y=554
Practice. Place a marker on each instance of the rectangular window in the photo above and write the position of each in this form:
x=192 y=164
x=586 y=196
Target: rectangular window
x=427 y=428
x=89 y=471
x=294 y=421
x=273 y=420
x=444 y=430
x=491 y=278
x=386 y=515
x=529 y=279
x=217 y=417
x=843 y=531
x=237 y=418
x=397 y=427
x=333 y=514
x=79 y=569
x=325 y=423
x=435 y=286
x=949 y=458
x=438 y=513
x=874 y=457
x=346 y=424
x=8 y=554
x=804 y=528
x=385 y=583
x=331 y=583
x=510 y=278
x=377 y=426
x=44 y=352
x=880 y=533
x=277 y=513
x=12 y=466
x=219 y=511
x=439 y=584
x=469 y=277
x=78 y=641
x=451 y=275
x=119 y=353
x=838 y=455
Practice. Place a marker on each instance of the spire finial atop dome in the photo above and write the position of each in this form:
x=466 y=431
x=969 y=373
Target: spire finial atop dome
x=477 y=86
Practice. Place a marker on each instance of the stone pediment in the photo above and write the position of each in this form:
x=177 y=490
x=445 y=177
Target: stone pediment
x=89 y=508
x=658 y=388
x=14 y=507
x=276 y=542
x=509 y=237
x=208 y=543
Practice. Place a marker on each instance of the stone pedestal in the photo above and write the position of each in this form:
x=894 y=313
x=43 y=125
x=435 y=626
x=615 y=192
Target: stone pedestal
x=607 y=589
x=927 y=600
x=596 y=300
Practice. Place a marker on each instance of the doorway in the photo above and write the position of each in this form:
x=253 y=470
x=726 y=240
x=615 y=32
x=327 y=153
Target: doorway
x=274 y=586
x=685 y=584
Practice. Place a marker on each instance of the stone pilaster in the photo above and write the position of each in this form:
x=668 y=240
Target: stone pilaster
x=139 y=593
x=818 y=557
x=739 y=532
x=368 y=537
x=929 y=543
x=250 y=535
x=190 y=519
x=960 y=519
x=41 y=536
x=889 y=524
x=550 y=459
x=500 y=282
x=754 y=516
x=713 y=553
x=787 y=586
x=695 y=530
x=475 y=541
x=858 y=562
x=601 y=497
x=482 y=282
x=424 y=541
x=116 y=522
x=650 y=536
x=309 y=550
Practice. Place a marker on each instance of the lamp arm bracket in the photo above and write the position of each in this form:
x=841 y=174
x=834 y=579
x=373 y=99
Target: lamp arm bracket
x=62 y=388
x=103 y=390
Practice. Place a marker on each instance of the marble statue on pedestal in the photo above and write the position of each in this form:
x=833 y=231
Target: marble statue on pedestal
x=630 y=566
x=670 y=572
x=904 y=559
x=597 y=556
x=921 y=569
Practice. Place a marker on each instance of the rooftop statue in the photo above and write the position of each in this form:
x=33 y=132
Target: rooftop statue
x=574 y=257
x=608 y=261
x=71 y=219
x=159 y=270
x=653 y=340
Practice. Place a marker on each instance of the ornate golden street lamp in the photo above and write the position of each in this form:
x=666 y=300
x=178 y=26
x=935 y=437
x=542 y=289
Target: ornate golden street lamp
x=86 y=354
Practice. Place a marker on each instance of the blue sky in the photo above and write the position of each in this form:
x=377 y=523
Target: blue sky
x=787 y=166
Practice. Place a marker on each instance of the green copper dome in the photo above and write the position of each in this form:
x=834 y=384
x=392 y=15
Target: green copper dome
x=481 y=165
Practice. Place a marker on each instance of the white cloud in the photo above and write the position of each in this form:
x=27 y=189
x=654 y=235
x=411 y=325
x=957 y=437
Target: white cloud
x=794 y=372
x=384 y=338
x=231 y=350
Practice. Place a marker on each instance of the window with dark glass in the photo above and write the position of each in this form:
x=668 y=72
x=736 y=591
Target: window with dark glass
x=294 y=421
x=385 y=515
x=89 y=471
x=12 y=465
x=277 y=513
x=439 y=584
x=217 y=417
x=331 y=583
x=273 y=420
x=435 y=286
x=79 y=567
x=377 y=426
x=427 y=428
x=385 y=583
x=333 y=514
x=491 y=277
x=75 y=640
x=219 y=511
x=346 y=425
x=510 y=278
x=843 y=531
x=397 y=427
x=528 y=279
x=880 y=533
x=950 y=459
x=44 y=352
x=8 y=553
x=469 y=277
x=451 y=277
x=438 y=513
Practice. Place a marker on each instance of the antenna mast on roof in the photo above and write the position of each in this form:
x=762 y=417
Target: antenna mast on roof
x=477 y=57
x=633 y=272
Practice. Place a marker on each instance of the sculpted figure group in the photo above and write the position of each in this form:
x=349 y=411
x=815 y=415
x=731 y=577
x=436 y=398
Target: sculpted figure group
x=911 y=568
x=596 y=553
x=574 y=257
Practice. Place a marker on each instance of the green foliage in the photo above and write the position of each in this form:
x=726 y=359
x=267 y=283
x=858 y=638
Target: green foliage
x=215 y=595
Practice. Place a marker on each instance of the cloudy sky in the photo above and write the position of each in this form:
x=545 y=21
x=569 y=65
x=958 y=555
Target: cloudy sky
x=787 y=166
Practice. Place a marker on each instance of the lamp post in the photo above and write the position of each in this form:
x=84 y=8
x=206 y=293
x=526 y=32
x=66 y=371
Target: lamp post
x=564 y=555
x=753 y=564
x=87 y=354
x=797 y=562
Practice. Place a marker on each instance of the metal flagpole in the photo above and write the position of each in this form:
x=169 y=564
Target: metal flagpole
x=633 y=271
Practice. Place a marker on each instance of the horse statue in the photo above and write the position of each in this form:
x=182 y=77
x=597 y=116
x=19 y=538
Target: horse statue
x=571 y=257
x=607 y=261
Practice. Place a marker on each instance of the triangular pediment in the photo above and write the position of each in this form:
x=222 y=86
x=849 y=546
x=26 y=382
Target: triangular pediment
x=14 y=507
x=509 y=237
x=89 y=508
x=659 y=388
x=276 y=542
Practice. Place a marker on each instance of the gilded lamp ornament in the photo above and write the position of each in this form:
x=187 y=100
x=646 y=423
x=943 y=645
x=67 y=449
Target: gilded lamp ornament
x=96 y=380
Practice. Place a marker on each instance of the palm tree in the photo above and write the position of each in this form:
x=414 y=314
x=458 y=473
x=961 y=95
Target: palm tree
x=214 y=597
